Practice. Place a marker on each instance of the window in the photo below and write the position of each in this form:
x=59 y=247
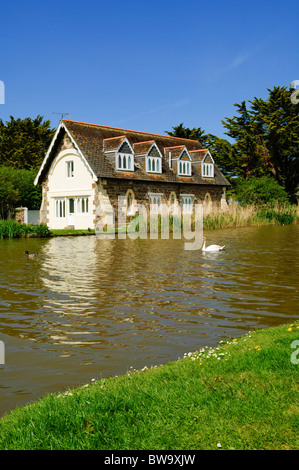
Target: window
x=130 y=201
x=172 y=199
x=60 y=208
x=184 y=168
x=71 y=206
x=82 y=205
x=70 y=169
x=155 y=202
x=187 y=202
x=125 y=162
x=153 y=165
x=207 y=166
x=208 y=170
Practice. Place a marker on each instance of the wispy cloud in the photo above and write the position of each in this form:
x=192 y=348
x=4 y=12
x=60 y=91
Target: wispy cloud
x=244 y=56
x=239 y=60
x=156 y=110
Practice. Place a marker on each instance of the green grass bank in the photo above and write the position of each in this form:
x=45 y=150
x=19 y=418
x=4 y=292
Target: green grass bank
x=242 y=395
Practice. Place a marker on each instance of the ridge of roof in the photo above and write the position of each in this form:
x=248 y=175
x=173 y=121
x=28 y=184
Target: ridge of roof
x=143 y=142
x=127 y=130
x=116 y=137
x=175 y=147
x=199 y=150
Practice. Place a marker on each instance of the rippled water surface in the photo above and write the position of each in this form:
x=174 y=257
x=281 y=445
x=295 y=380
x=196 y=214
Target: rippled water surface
x=89 y=308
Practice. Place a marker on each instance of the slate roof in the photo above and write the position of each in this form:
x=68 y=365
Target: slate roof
x=92 y=140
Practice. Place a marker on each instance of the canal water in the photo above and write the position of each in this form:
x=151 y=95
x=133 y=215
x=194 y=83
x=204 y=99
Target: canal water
x=87 y=308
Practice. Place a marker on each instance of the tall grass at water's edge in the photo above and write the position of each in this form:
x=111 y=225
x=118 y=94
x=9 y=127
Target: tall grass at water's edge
x=233 y=216
x=238 y=216
x=13 y=229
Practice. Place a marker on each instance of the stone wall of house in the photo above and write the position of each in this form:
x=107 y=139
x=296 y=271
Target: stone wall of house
x=44 y=209
x=110 y=189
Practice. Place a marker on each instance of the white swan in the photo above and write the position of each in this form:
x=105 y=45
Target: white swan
x=211 y=247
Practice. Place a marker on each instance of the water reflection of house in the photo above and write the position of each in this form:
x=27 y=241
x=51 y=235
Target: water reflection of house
x=88 y=166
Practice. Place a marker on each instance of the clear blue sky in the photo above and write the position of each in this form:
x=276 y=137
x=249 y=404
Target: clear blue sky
x=144 y=65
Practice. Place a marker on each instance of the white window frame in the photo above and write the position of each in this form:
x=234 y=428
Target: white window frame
x=184 y=168
x=124 y=161
x=82 y=204
x=70 y=169
x=153 y=161
x=207 y=170
x=187 y=203
x=60 y=207
x=155 y=202
x=126 y=158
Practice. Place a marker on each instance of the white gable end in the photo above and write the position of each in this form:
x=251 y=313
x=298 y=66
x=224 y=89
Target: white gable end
x=70 y=191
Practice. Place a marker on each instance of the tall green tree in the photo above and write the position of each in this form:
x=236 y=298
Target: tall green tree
x=9 y=194
x=185 y=133
x=17 y=189
x=24 y=142
x=267 y=138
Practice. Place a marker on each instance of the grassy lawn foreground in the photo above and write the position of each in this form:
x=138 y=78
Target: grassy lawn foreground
x=241 y=395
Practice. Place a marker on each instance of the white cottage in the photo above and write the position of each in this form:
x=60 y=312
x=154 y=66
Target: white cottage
x=88 y=166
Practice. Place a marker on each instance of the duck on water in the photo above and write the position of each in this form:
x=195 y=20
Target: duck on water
x=30 y=255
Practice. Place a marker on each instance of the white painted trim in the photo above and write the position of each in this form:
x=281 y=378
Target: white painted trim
x=210 y=164
x=181 y=173
x=125 y=139
x=208 y=155
x=48 y=153
x=117 y=153
x=178 y=158
x=70 y=192
x=154 y=145
x=185 y=150
x=155 y=194
x=61 y=124
x=156 y=158
x=122 y=156
x=26 y=215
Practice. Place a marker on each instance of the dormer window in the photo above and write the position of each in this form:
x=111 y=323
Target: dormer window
x=184 y=168
x=207 y=166
x=125 y=157
x=124 y=161
x=184 y=164
x=153 y=165
x=70 y=169
x=154 y=160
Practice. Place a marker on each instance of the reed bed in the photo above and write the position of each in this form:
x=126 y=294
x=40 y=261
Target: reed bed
x=239 y=216
x=234 y=216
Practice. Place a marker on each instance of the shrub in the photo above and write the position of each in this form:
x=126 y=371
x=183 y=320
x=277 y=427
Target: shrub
x=12 y=229
x=263 y=191
x=41 y=230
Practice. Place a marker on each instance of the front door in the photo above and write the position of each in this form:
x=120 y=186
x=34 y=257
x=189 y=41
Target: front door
x=71 y=211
